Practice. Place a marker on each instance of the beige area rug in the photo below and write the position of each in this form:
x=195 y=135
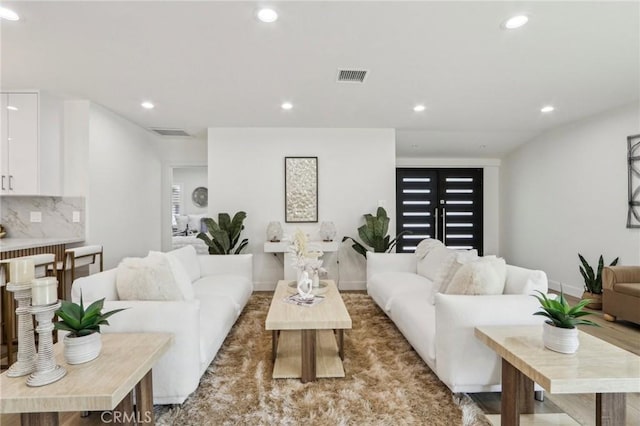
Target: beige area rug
x=386 y=382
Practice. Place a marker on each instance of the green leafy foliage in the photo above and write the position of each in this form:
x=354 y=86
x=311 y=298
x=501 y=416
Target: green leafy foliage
x=374 y=234
x=593 y=281
x=80 y=322
x=561 y=314
x=224 y=235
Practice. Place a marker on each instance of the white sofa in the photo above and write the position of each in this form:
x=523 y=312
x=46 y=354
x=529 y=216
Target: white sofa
x=442 y=333
x=222 y=287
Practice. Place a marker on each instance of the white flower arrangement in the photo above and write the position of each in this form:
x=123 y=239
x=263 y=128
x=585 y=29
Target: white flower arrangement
x=303 y=258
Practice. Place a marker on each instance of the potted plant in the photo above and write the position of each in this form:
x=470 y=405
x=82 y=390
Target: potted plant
x=224 y=234
x=374 y=234
x=83 y=342
x=559 y=332
x=593 y=281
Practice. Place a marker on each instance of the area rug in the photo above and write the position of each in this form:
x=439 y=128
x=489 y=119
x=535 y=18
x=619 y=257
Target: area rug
x=386 y=382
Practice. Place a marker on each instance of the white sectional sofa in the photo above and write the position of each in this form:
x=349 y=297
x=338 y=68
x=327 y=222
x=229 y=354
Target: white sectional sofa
x=442 y=333
x=222 y=286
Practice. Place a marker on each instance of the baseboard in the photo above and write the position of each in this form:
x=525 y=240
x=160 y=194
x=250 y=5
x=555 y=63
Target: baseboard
x=566 y=288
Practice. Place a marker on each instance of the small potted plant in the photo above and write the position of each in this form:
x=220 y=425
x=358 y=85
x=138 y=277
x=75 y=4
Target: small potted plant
x=559 y=332
x=593 y=281
x=83 y=343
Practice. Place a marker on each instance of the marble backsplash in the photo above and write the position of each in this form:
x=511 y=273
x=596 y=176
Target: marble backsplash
x=57 y=216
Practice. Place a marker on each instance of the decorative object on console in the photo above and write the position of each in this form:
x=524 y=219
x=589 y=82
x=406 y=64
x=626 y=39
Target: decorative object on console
x=3 y=231
x=328 y=231
x=22 y=271
x=200 y=197
x=274 y=232
x=305 y=259
x=374 y=234
x=83 y=342
x=301 y=189
x=224 y=234
x=593 y=281
x=559 y=332
x=47 y=371
x=633 y=164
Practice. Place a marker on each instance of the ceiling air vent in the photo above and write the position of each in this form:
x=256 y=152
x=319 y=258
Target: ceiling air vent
x=170 y=132
x=351 y=76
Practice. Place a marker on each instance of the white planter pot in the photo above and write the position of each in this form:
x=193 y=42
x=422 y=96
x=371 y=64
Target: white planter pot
x=563 y=340
x=78 y=350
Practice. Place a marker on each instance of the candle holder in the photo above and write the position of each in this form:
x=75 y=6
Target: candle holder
x=47 y=371
x=26 y=363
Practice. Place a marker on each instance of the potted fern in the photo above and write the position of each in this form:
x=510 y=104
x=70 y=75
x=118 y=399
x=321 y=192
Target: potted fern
x=593 y=281
x=83 y=343
x=559 y=332
x=374 y=234
x=223 y=236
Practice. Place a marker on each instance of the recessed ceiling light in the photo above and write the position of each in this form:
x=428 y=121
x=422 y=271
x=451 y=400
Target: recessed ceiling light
x=147 y=105
x=515 y=22
x=8 y=14
x=267 y=15
x=286 y=106
x=12 y=108
x=419 y=108
x=547 y=108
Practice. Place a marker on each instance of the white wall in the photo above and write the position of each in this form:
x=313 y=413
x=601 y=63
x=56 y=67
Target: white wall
x=190 y=178
x=123 y=193
x=566 y=192
x=491 y=191
x=356 y=169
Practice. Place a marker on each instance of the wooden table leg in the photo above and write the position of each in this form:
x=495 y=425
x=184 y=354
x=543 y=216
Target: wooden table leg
x=527 y=400
x=124 y=414
x=510 y=398
x=308 y=355
x=144 y=400
x=39 y=419
x=340 y=338
x=611 y=409
x=274 y=344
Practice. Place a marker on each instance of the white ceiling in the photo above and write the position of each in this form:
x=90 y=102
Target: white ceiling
x=209 y=64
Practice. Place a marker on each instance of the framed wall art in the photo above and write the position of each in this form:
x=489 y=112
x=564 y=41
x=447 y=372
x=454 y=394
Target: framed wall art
x=633 y=164
x=301 y=189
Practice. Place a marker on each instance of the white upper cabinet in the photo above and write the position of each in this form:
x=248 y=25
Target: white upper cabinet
x=19 y=155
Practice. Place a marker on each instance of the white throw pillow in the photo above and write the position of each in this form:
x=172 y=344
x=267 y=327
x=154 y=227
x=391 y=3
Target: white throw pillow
x=180 y=275
x=148 y=278
x=425 y=246
x=481 y=277
x=433 y=261
x=449 y=269
x=188 y=258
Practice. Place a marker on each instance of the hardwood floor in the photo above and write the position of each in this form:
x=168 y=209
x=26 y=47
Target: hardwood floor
x=581 y=407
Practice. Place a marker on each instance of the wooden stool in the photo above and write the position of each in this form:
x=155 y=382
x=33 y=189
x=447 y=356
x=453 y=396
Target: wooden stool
x=74 y=258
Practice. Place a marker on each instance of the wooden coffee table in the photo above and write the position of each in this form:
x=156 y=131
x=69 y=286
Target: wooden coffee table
x=598 y=367
x=308 y=342
x=106 y=383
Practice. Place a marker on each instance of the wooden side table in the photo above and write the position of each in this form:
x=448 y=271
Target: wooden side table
x=106 y=383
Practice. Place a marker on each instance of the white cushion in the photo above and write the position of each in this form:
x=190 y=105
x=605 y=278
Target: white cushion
x=181 y=223
x=384 y=286
x=195 y=221
x=525 y=281
x=425 y=246
x=449 y=268
x=482 y=277
x=180 y=275
x=148 y=278
x=189 y=259
x=434 y=260
x=233 y=288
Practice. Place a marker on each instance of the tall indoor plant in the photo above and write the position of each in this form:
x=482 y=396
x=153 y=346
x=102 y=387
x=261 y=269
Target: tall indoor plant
x=560 y=331
x=83 y=343
x=223 y=236
x=593 y=281
x=374 y=234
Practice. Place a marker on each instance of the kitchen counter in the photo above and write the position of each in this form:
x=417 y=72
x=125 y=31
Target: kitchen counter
x=11 y=244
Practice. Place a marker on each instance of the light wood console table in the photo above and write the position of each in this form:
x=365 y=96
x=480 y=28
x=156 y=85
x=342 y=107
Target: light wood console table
x=106 y=383
x=597 y=367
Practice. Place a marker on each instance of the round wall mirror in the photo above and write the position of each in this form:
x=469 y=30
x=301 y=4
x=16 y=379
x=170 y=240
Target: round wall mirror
x=200 y=196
